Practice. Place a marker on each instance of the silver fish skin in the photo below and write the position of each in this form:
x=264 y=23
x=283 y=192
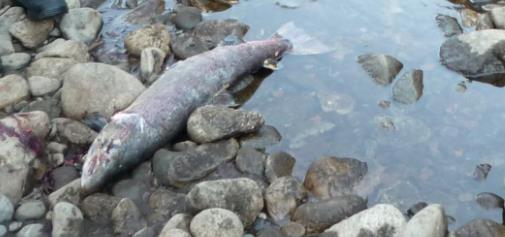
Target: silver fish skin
x=161 y=112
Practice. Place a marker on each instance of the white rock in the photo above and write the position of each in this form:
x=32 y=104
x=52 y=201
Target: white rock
x=429 y=222
x=40 y=86
x=216 y=222
x=13 y=89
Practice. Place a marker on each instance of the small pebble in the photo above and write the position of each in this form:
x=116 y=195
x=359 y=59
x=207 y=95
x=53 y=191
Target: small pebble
x=481 y=171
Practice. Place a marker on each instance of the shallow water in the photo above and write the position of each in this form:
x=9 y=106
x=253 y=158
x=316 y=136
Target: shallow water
x=327 y=105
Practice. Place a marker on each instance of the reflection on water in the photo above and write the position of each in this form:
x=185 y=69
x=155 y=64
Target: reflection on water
x=327 y=105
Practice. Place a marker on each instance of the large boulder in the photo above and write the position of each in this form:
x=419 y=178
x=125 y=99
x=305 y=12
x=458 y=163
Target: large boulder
x=96 y=87
x=476 y=55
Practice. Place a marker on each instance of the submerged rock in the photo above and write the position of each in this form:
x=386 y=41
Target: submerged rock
x=429 y=222
x=380 y=220
x=380 y=67
x=489 y=201
x=81 y=24
x=332 y=176
x=97 y=87
x=216 y=222
x=241 y=195
x=409 y=88
x=481 y=227
x=481 y=171
x=279 y=164
x=318 y=216
x=211 y=123
x=156 y=36
x=449 y=25
x=266 y=136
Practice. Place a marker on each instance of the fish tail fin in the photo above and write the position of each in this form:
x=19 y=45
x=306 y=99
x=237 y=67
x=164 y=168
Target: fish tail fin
x=301 y=42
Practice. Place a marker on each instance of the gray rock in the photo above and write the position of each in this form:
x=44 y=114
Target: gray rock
x=71 y=4
x=32 y=230
x=69 y=193
x=241 y=195
x=74 y=131
x=97 y=87
x=165 y=204
x=318 y=216
x=498 y=17
x=283 y=196
x=449 y=25
x=126 y=218
x=6 y=46
x=81 y=24
x=279 y=164
x=485 y=22
x=145 y=232
x=293 y=229
x=61 y=48
x=15 y=226
x=429 y=222
x=213 y=32
x=332 y=176
x=63 y=175
x=489 y=201
x=178 y=221
x=380 y=220
x=13 y=89
x=31 y=33
x=476 y=55
x=267 y=136
x=380 y=67
x=175 y=233
x=67 y=220
x=50 y=106
x=409 y=88
x=151 y=62
x=6 y=209
x=481 y=228
x=15 y=61
x=216 y=222
x=156 y=36
x=135 y=190
x=98 y=207
x=30 y=210
x=183 y=146
x=187 y=18
x=144 y=173
x=250 y=160
x=40 y=86
x=271 y=232
x=3 y=231
x=186 y=45
x=91 y=3
x=210 y=123
x=49 y=67
x=179 y=168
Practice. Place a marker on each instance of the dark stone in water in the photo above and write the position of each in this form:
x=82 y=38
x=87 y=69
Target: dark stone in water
x=481 y=228
x=187 y=18
x=186 y=45
x=489 y=201
x=415 y=209
x=449 y=25
x=380 y=67
x=267 y=136
x=409 y=88
x=481 y=171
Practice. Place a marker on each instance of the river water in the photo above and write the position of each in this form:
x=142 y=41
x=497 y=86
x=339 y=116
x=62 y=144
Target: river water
x=327 y=105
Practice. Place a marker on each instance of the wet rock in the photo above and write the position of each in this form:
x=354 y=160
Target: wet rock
x=186 y=45
x=267 y=136
x=13 y=89
x=409 y=88
x=380 y=220
x=489 y=201
x=179 y=168
x=67 y=220
x=250 y=160
x=293 y=229
x=135 y=190
x=480 y=227
x=69 y=193
x=174 y=233
x=241 y=195
x=279 y=164
x=212 y=32
x=414 y=209
x=283 y=196
x=476 y=55
x=380 y=67
x=20 y=143
x=151 y=62
x=30 y=210
x=485 y=22
x=50 y=106
x=145 y=232
x=449 y=25
x=187 y=18
x=61 y=48
x=481 y=171
x=6 y=209
x=332 y=176
x=98 y=207
x=15 y=61
x=81 y=24
x=33 y=230
x=178 y=221
x=318 y=216
x=49 y=67
x=152 y=36
x=63 y=175
x=126 y=218
x=216 y=222
x=211 y=123
x=429 y=222
x=166 y=204
x=31 y=33
x=40 y=86
x=97 y=87
x=74 y=131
